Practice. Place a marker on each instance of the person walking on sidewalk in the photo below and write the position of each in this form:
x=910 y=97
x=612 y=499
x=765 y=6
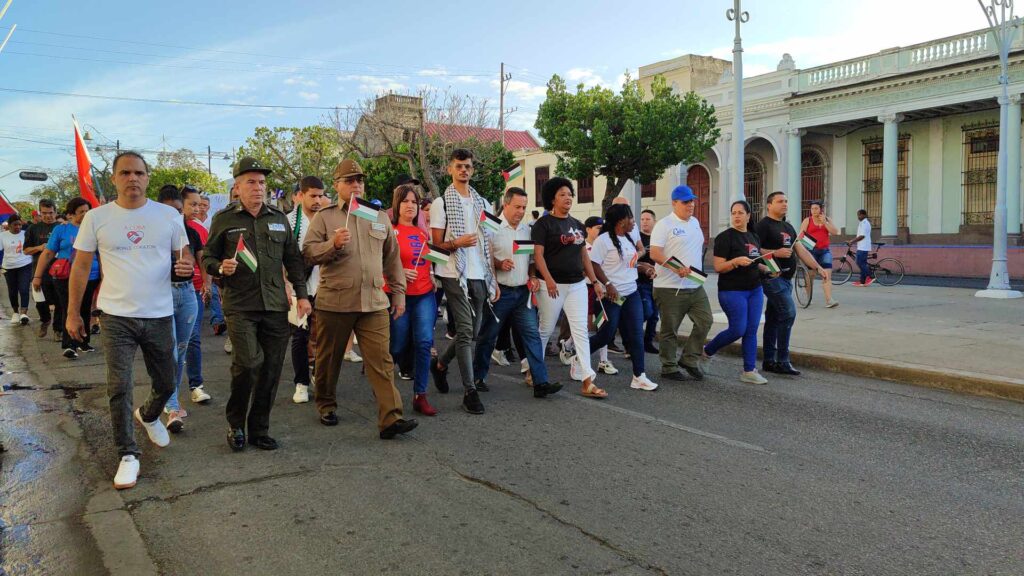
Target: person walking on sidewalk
x=17 y=268
x=677 y=240
x=645 y=281
x=818 y=228
x=36 y=238
x=135 y=237
x=778 y=240
x=356 y=256
x=308 y=199
x=250 y=244
x=202 y=283
x=739 y=289
x=467 y=278
x=518 y=282
x=863 y=242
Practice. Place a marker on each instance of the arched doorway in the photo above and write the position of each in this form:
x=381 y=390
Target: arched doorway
x=699 y=180
x=812 y=180
x=753 y=185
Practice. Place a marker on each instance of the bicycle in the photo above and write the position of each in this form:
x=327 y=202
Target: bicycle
x=886 y=271
x=803 y=286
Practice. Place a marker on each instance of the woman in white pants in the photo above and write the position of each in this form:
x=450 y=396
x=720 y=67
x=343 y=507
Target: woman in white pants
x=562 y=262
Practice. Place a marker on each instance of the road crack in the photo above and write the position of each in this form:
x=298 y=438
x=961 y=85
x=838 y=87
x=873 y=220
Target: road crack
x=131 y=505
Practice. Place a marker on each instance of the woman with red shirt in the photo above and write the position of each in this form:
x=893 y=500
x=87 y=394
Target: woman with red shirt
x=416 y=327
x=819 y=227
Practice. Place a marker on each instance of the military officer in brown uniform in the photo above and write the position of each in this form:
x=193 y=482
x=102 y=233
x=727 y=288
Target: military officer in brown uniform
x=355 y=256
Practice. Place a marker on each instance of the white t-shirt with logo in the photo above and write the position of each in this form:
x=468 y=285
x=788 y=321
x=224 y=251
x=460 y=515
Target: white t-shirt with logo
x=14 y=246
x=314 y=277
x=864 y=229
x=474 y=254
x=620 y=270
x=685 y=241
x=135 y=246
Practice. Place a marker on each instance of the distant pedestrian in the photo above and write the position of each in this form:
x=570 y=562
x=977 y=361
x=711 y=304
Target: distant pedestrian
x=645 y=281
x=17 y=268
x=863 y=242
x=36 y=237
x=818 y=228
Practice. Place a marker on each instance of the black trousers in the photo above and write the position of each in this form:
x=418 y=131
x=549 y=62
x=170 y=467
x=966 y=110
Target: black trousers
x=86 y=310
x=300 y=350
x=43 y=308
x=259 y=341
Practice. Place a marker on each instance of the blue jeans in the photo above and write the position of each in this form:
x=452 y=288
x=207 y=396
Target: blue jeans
x=862 y=263
x=631 y=316
x=216 y=314
x=417 y=325
x=194 y=356
x=651 y=315
x=743 y=308
x=184 y=321
x=779 y=316
x=511 y=307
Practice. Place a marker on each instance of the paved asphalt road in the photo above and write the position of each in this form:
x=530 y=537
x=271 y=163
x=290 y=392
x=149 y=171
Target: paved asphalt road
x=821 y=474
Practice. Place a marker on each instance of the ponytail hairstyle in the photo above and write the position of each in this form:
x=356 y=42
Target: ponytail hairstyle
x=616 y=213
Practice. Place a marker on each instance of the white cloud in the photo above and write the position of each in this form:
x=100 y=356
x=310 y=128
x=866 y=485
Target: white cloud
x=377 y=84
x=438 y=71
x=308 y=96
x=524 y=90
x=301 y=81
x=467 y=79
x=586 y=76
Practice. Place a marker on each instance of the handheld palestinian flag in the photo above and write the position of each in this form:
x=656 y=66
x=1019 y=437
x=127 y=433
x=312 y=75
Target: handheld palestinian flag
x=489 y=221
x=697 y=275
x=600 y=318
x=513 y=172
x=771 y=264
x=436 y=255
x=674 y=264
x=363 y=209
x=243 y=253
x=619 y=301
x=808 y=241
x=523 y=247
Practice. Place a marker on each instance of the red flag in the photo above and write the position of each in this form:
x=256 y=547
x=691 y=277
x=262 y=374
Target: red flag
x=6 y=209
x=84 y=168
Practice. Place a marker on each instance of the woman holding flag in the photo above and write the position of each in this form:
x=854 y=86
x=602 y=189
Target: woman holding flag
x=614 y=258
x=416 y=327
x=814 y=235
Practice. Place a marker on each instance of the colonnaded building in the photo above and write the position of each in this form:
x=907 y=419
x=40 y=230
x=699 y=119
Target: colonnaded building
x=935 y=103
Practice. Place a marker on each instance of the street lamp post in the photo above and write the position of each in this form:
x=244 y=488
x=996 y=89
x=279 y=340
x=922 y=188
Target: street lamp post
x=1003 y=24
x=738 y=16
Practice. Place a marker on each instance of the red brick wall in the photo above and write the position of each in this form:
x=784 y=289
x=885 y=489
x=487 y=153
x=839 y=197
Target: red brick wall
x=962 y=261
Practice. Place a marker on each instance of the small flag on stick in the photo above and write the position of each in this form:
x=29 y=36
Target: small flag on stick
x=523 y=247
x=771 y=264
x=489 y=221
x=363 y=209
x=243 y=253
x=600 y=318
x=697 y=275
x=436 y=255
x=674 y=264
x=808 y=241
x=513 y=172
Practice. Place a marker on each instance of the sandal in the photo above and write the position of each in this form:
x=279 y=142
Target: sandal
x=592 y=391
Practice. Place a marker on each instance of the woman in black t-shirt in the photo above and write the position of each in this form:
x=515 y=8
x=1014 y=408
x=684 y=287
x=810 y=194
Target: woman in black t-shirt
x=739 y=289
x=562 y=262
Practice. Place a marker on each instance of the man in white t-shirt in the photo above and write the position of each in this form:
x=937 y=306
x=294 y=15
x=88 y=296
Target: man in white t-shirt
x=136 y=239
x=309 y=198
x=679 y=236
x=863 y=242
x=468 y=278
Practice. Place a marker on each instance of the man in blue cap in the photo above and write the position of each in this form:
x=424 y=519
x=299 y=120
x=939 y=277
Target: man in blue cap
x=679 y=236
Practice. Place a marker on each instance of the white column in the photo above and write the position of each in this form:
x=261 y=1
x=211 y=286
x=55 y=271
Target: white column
x=935 y=145
x=838 y=198
x=794 y=175
x=890 y=160
x=725 y=182
x=1013 y=166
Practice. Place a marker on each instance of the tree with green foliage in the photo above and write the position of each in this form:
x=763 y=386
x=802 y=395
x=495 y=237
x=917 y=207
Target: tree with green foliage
x=624 y=136
x=181 y=167
x=380 y=177
x=490 y=160
x=293 y=153
x=61 y=187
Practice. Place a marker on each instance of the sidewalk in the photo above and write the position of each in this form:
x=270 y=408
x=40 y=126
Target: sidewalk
x=929 y=336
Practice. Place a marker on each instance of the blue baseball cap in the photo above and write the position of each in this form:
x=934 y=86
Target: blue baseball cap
x=683 y=193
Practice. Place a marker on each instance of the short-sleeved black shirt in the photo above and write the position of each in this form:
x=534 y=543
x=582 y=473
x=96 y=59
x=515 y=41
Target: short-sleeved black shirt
x=645 y=239
x=731 y=243
x=37 y=235
x=775 y=234
x=563 y=240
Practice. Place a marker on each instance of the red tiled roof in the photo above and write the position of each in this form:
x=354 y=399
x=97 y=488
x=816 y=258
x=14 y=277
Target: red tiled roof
x=514 y=139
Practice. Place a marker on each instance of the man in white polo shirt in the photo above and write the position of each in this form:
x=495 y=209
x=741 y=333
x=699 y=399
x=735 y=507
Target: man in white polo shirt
x=679 y=235
x=137 y=239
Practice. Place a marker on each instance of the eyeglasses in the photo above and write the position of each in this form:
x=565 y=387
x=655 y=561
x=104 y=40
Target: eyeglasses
x=351 y=179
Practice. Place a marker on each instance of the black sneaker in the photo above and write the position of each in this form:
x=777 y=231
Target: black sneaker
x=70 y=353
x=614 y=349
x=542 y=390
x=511 y=355
x=404 y=376
x=481 y=386
x=95 y=329
x=440 y=377
x=85 y=348
x=399 y=426
x=769 y=367
x=694 y=371
x=471 y=403
x=677 y=376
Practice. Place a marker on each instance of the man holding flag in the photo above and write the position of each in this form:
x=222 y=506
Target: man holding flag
x=250 y=242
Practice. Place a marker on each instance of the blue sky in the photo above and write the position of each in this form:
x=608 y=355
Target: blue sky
x=320 y=53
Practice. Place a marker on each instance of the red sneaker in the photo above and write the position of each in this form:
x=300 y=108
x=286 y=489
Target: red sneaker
x=421 y=405
x=858 y=284
x=869 y=281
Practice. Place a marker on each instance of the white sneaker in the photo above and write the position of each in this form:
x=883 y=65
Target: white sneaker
x=574 y=370
x=199 y=395
x=566 y=351
x=607 y=367
x=832 y=304
x=499 y=358
x=642 y=383
x=524 y=366
x=127 y=472
x=15 y=319
x=301 y=395
x=227 y=346
x=753 y=377
x=351 y=356
x=156 y=430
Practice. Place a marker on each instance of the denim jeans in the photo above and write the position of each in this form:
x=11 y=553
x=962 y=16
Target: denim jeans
x=216 y=313
x=194 y=355
x=184 y=321
x=651 y=315
x=743 y=308
x=468 y=311
x=19 y=280
x=862 y=263
x=511 y=308
x=779 y=316
x=121 y=338
x=415 y=329
x=630 y=319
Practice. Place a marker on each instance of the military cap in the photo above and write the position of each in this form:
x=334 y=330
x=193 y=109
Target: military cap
x=347 y=168
x=250 y=164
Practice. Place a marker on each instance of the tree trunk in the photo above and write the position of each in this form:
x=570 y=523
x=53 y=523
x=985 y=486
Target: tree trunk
x=612 y=189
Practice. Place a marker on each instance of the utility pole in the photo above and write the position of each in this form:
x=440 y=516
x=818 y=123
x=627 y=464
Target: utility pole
x=503 y=83
x=739 y=17
x=209 y=160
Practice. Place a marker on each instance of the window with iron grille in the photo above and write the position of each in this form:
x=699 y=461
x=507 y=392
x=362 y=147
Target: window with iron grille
x=585 y=190
x=649 y=190
x=541 y=174
x=812 y=180
x=981 y=157
x=873 y=162
x=753 y=185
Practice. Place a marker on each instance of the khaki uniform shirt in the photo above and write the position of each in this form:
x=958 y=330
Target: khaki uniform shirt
x=270 y=238
x=352 y=279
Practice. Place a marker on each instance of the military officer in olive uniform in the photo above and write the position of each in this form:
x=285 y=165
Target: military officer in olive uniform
x=255 y=303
